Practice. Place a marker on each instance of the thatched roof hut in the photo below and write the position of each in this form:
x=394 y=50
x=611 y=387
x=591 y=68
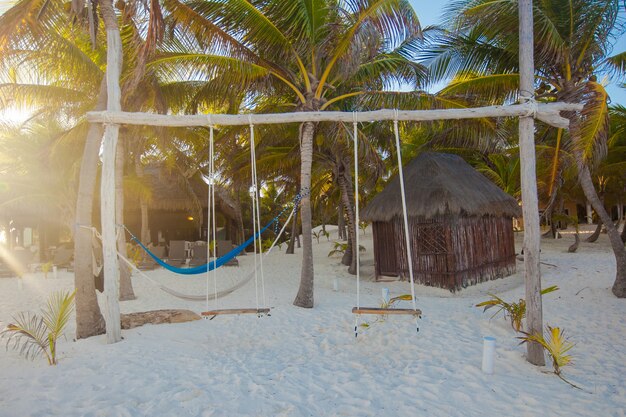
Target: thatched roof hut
x=174 y=199
x=459 y=221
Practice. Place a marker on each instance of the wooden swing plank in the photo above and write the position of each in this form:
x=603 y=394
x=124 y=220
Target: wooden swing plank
x=374 y=310
x=236 y=311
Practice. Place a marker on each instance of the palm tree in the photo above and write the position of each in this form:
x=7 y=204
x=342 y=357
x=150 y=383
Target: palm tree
x=572 y=40
x=305 y=50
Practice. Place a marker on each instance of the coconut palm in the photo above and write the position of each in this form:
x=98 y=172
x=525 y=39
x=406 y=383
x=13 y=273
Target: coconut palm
x=573 y=38
x=305 y=50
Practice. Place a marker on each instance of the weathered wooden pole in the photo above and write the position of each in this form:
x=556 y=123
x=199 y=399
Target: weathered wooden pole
x=107 y=190
x=530 y=206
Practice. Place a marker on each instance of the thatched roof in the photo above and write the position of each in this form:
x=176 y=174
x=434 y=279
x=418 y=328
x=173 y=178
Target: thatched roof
x=441 y=184
x=173 y=193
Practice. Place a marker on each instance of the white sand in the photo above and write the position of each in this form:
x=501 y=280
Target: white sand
x=302 y=362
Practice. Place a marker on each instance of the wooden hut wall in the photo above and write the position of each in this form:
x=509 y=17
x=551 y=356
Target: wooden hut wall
x=484 y=248
x=449 y=253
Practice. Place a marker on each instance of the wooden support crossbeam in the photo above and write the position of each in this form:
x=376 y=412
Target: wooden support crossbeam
x=258 y=311
x=547 y=112
x=385 y=311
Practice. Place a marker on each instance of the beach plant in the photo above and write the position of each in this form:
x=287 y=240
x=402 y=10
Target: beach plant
x=363 y=226
x=392 y=301
x=46 y=268
x=557 y=347
x=37 y=334
x=317 y=235
x=515 y=311
x=340 y=248
x=134 y=253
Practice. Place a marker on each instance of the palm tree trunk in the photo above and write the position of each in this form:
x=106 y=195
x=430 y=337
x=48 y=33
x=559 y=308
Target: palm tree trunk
x=584 y=176
x=347 y=198
x=341 y=223
x=126 y=286
x=596 y=233
x=304 y=298
x=89 y=320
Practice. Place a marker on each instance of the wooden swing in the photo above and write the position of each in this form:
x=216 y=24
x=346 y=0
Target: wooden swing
x=256 y=225
x=358 y=310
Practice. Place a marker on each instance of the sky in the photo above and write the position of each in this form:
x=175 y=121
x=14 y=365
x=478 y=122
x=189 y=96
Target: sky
x=429 y=12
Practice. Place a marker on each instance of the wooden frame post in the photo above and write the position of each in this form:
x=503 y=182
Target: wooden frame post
x=107 y=191
x=530 y=205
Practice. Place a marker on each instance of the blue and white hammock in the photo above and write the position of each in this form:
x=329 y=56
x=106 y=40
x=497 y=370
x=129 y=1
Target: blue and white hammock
x=211 y=265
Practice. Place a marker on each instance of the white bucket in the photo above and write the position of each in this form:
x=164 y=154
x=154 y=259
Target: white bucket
x=489 y=353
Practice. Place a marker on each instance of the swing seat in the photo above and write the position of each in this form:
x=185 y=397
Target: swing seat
x=258 y=311
x=386 y=311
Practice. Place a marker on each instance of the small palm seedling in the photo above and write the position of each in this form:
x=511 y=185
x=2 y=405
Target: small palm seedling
x=363 y=226
x=392 y=301
x=387 y=304
x=317 y=235
x=34 y=334
x=514 y=311
x=557 y=347
x=341 y=248
x=46 y=268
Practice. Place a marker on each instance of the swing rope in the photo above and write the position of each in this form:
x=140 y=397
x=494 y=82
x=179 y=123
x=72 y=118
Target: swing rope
x=253 y=196
x=356 y=251
x=358 y=309
x=211 y=221
x=407 y=237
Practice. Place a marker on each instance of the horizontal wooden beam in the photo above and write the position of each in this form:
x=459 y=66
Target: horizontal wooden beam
x=385 y=311
x=259 y=311
x=547 y=112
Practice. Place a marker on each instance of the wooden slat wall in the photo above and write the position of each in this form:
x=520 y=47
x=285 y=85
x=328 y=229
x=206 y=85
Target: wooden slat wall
x=385 y=249
x=448 y=252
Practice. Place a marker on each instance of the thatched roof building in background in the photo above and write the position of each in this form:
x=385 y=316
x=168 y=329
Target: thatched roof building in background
x=174 y=199
x=460 y=224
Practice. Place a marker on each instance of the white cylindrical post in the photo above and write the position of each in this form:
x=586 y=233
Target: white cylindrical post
x=335 y=284
x=54 y=271
x=489 y=353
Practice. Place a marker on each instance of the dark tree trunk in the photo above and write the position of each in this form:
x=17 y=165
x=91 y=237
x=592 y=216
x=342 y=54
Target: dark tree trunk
x=586 y=183
x=596 y=233
x=619 y=286
x=341 y=223
x=347 y=199
x=574 y=247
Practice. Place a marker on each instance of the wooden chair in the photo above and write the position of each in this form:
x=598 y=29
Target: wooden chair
x=223 y=247
x=199 y=256
x=147 y=263
x=177 y=251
